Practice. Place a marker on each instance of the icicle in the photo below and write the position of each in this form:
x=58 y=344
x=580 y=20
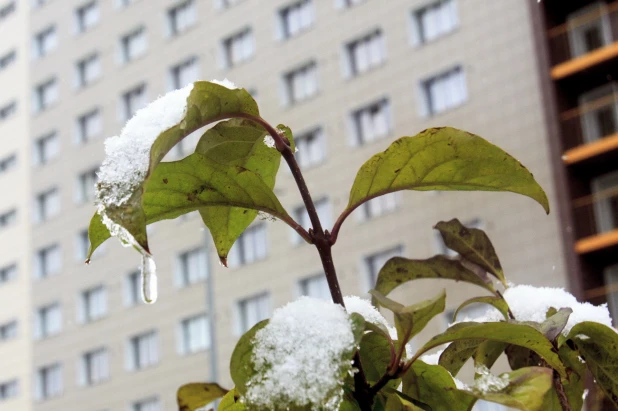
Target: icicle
x=149 y=279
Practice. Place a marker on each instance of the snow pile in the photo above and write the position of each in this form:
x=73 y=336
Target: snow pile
x=354 y=304
x=486 y=382
x=269 y=141
x=128 y=155
x=300 y=357
x=530 y=303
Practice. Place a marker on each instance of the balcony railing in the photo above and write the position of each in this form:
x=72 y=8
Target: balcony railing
x=595 y=119
x=585 y=31
x=597 y=213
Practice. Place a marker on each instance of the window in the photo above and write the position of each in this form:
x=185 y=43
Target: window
x=375 y=262
x=48 y=321
x=7 y=163
x=48 y=382
x=47 y=204
x=296 y=18
x=192 y=267
x=434 y=21
x=444 y=91
x=611 y=282
x=92 y=305
x=89 y=125
x=86 y=182
x=366 y=53
x=605 y=189
x=315 y=287
x=195 y=334
x=372 y=122
x=93 y=367
x=324 y=210
x=124 y=3
x=133 y=44
x=589 y=29
x=151 y=404
x=133 y=100
x=301 y=84
x=46 y=148
x=8 y=218
x=48 y=261
x=133 y=288
x=7 y=59
x=184 y=73
x=181 y=17
x=87 y=70
x=441 y=248
x=45 y=42
x=8 y=110
x=599 y=112
x=251 y=246
x=143 y=351
x=7 y=9
x=380 y=205
x=252 y=310
x=311 y=148
x=86 y=16
x=239 y=47
x=8 y=273
x=45 y=94
x=8 y=331
x=39 y=3
x=8 y=390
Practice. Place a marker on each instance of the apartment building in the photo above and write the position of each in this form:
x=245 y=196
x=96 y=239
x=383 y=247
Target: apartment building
x=15 y=168
x=349 y=76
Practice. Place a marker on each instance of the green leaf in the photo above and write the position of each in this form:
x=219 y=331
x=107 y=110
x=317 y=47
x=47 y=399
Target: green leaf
x=434 y=386
x=521 y=357
x=97 y=235
x=496 y=302
x=207 y=103
x=358 y=324
x=510 y=333
x=443 y=159
x=525 y=391
x=242 y=368
x=410 y=320
x=398 y=401
x=597 y=344
x=236 y=142
x=231 y=402
x=399 y=270
x=375 y=355
x=287 y=133
x=473 y=245
x=488 y=353
x=197 y=395
x=552 y=327
x=457 y=354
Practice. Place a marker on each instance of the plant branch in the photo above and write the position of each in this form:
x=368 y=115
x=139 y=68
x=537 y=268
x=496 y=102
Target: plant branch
x=511 y=315
x=562 y=397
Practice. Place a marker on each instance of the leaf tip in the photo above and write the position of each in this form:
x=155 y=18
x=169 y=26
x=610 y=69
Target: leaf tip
x=223 y=261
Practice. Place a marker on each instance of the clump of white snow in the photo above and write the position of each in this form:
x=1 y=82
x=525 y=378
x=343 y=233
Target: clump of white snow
x=269 y=141
x=486 y=382
x=530 y=303
x=354 y=304
x=225 y=83
x=300 y=357
x=128 y=155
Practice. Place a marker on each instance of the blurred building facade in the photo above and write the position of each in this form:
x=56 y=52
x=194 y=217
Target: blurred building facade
x=349 y=76
x=15 y=234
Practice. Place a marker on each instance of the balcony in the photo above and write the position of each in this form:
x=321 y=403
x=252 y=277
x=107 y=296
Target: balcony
x=596 y=216
x=591 y=129
x=608 y=292
x=588 y=38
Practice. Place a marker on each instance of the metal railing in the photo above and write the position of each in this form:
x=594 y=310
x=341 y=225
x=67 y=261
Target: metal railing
x=583 y=33
x=591 y=121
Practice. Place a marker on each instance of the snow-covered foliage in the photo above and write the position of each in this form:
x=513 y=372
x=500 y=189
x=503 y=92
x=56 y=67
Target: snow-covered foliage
x=355 y=304
x=301 y=356
x=486 y=382
x=530 y=303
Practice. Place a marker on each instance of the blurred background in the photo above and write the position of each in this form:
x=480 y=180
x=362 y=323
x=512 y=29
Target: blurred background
x=349 y=77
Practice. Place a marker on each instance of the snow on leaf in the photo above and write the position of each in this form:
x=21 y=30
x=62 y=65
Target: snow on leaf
x=530 y=303
x=355 y=304
x=301 y=357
